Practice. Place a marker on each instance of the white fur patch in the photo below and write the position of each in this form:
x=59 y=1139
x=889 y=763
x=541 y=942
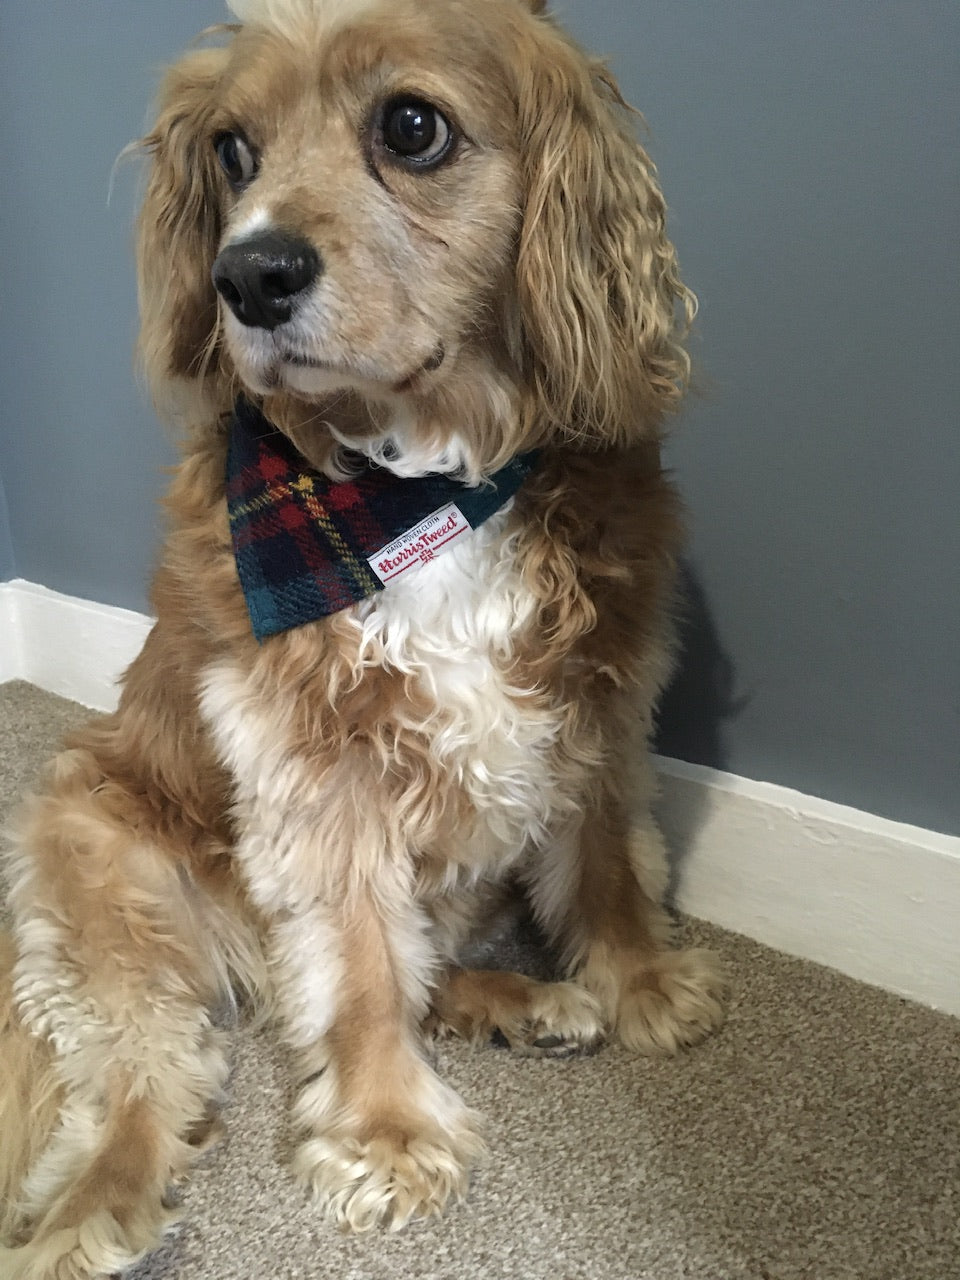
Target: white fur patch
x=287 y=16
x=258 y=219
x=450 y=626
x=398 y=450
x=305 y=948
x=280 y=806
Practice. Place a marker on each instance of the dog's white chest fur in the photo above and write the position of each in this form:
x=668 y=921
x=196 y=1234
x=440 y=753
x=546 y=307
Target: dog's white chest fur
x=449 y=626
x=452 y=625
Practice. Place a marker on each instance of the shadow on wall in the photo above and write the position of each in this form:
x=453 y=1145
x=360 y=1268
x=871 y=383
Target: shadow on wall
x=693 y=709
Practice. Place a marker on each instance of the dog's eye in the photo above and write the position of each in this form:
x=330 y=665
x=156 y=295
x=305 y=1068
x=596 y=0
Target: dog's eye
x=415 y=131
x=236 y=158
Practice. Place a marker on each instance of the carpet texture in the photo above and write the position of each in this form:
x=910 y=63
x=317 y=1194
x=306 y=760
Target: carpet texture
x=816 y=1137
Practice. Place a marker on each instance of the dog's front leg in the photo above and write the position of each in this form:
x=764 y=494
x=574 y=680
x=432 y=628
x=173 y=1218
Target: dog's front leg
x=386 y=1140
x=328 y=862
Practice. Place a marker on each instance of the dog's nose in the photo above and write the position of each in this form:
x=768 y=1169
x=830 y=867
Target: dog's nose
x=260 y=277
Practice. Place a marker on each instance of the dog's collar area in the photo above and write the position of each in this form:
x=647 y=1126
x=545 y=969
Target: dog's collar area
x=307 y=546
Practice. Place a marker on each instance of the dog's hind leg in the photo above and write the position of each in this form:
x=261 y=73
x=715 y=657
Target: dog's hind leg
x=117 y=969
x=30 y=1095
x=542 y=1019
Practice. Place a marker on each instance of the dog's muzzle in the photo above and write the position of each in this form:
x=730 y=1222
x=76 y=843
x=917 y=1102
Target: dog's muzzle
x=261 y=277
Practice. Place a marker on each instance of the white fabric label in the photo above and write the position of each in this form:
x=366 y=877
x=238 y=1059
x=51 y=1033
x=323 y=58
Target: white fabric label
x=434 y=534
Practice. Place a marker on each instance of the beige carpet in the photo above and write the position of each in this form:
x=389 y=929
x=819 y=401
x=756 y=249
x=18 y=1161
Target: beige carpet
x=817 y=1136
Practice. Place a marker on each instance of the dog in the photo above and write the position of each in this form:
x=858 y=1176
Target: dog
x=405 y=280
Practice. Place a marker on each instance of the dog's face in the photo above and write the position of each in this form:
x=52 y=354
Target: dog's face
x=431 y=204
x=368 y=198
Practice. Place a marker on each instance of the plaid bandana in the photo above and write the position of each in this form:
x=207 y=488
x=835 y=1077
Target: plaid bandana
x=307 y=546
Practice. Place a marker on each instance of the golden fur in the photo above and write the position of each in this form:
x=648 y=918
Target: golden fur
x=320 y=821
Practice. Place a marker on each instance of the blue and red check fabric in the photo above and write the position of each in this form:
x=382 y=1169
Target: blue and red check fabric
x=302 y=541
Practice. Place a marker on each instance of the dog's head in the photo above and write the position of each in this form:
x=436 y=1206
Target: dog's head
x=431 y=213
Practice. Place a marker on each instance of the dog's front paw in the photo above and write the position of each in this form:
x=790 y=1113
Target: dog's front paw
x=660 y=1003
x=390 y=1177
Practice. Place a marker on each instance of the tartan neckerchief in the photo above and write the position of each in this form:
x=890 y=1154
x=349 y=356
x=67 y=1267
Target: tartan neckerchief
x=307 y=546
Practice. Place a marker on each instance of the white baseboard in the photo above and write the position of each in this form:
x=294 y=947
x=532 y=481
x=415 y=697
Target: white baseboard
x=878 y=900
x=76 y=648
x=10 y=661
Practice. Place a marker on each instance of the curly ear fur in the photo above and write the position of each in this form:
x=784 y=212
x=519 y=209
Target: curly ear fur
x=597 y=279
x=179 y=227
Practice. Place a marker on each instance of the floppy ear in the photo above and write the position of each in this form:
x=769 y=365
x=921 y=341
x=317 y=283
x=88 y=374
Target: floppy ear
x=597 y=279
x=179 y=227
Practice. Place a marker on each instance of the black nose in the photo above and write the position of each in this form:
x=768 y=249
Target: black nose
x=259 y=278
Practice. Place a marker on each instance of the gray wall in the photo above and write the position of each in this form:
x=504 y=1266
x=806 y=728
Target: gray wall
x=8 y=563
x=80 y=450
x=811 y=155
x=809 y=152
